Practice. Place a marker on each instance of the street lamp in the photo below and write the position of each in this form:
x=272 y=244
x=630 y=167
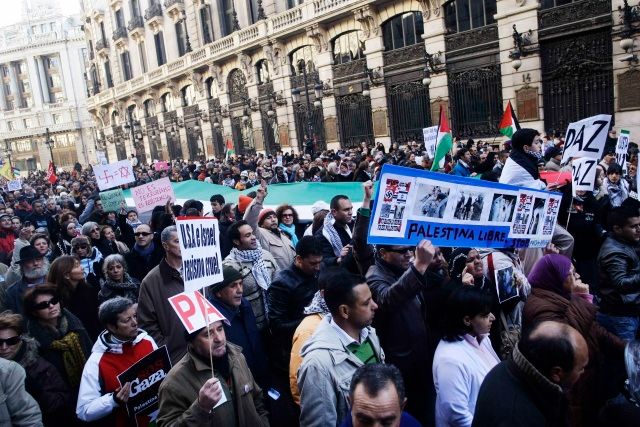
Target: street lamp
x=183 y=19
x=318 y=89
x=50 y=142
x=133 y=127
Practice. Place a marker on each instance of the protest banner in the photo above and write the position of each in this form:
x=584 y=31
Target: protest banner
x=114 y=174
x=161 y=165
x=452 y=211
x=194 y=311
x=430 y=136
x=506 y=287
x=584 y=174
x=200 y=247
x=14 y=185
x=145 y=377
x=586 y=138
x=148 y=196
x=621 y=149
x=111 y=199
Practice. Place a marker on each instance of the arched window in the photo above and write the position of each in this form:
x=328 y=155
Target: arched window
x=403 y=30
x=464 y=15
x=304 y=54
x=237 y=85
x=212 y=88
x=131 y=112
x=166 y=102
x=149 y=108
x=187 y=95
x=114 y=118
x=347 y=47
x=262 y=71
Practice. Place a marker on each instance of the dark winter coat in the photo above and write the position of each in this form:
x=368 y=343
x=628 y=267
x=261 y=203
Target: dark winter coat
x=619 y=285
x=128 y=288
x=140 y=266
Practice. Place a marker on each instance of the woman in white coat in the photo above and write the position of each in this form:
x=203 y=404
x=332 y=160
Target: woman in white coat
x=464 y=356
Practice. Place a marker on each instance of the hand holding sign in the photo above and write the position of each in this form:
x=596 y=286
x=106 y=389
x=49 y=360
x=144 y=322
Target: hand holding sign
x=121 y=395
x=210 y=394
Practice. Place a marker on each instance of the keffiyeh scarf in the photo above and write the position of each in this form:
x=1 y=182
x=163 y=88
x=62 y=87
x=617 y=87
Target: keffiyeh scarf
x=258 y=267
x=317 y=305
x=329 y=231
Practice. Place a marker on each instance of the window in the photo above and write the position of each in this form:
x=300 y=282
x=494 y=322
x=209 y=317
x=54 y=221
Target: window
x=262 y=70
x=402 y=31
x=143 y=57
x=347 y=47
x=27 y=123
x=212 y=88
x=188 y=95
x=119 y=17
x=53 y=62
x=293 y=3
x=107 y=73
x=57 y=118
x=149 y=108
x=135 y=8
x=10 y=125
x=161 y=56
x=126 y=66
x=102 y=33
x=548 y=4
x=166 y=103
x=5 y=71
x=180 y=38
x=464 y=15
x=226 y=18
x=21 y=67
x=253 y=11
x=54 y=81
x=205 y=23
x=304 y=54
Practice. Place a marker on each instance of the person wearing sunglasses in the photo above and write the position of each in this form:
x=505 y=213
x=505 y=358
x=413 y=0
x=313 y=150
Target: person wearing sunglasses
x=145 y=254
x=90 y=258
x=63 y=339
x=43 y=381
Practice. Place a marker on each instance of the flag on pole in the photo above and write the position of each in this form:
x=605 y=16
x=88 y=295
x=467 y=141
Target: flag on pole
x=229 y=151
x=509 y=123
x=51 y=174
x=7 y=172
x=444 y=142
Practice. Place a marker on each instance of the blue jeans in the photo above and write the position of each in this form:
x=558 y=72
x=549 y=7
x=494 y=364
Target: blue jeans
x=625 y=327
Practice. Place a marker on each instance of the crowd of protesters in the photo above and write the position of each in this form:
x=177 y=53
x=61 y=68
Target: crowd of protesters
x=322 y=328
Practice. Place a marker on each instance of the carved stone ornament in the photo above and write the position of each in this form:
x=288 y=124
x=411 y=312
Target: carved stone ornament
x=197 y=82
x=271 y=52
x=174 y=90
x=316 y=34
x=153 y=95
x=368 y=20
x=425 y=8
x=520 y=3
x=104 y=116
x=245 y=64
x=216 y=73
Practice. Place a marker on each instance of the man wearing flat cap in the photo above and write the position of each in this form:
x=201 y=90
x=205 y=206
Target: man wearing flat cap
x=226 y=296
x=34 y=271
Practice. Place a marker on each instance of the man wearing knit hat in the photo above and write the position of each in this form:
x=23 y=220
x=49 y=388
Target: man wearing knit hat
x=241 y=330
x=265 y=226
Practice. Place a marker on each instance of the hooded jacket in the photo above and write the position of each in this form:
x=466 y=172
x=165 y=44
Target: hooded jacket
x=521 y=169
x=100 y=375
x=619 y=286
x=325 y=375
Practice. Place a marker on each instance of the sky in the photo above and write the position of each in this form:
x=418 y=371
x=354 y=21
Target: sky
x=12 y=9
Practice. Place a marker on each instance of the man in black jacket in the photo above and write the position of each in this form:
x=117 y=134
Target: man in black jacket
x=145 y=254
x=336 y=235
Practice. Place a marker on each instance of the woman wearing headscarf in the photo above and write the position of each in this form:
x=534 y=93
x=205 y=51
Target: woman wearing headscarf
x=558 y=294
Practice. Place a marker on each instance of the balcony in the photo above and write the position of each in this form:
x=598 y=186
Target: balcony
x=120 y=36
x=174 y=8
x=153 y=15
x=102 y=47
x=136 y=28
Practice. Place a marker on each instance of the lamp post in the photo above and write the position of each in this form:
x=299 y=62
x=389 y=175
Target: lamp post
x=295 y=95
x=133 y=128
x=183 y=18
x=50 y=142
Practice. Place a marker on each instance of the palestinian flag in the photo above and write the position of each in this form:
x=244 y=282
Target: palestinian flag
x=444 y=142
x=229 y=151
x=509 y=123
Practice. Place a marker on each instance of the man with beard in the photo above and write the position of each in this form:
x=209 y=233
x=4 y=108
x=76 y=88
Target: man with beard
x=265 y=225
x=336 y=235
x=34 y=268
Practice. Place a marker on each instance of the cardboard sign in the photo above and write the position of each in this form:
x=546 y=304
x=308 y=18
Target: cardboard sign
x=14 y=185
x=111 y=200
x=114 y=174
x=200 y=247
x=161 y=165
x=586 y=138
x=452 y=211
x=148 y=196
x=506 y=286
x=430 y=136
x=194 y=311
x=621 y=149
x=584 y=174
x=145 y=377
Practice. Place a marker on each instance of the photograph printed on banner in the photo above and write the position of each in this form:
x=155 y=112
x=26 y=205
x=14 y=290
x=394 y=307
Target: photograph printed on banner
x=431 y=200
x=551 y=215
x=536 y=216
x=522 y=218
x=502 y=207
x=394 y=203
x=506 y=285
x=466 y=204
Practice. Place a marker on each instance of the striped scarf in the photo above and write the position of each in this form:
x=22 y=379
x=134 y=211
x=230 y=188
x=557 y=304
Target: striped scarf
x=72 y=356
x=329 y=231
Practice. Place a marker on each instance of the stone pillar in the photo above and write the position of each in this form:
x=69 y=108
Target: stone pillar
x=3 y=99
x=13 y=83
x=434 y=32
x=34 y=81
x=42 y=81
x=324 y=65
x=373 y=50
x=205 y=128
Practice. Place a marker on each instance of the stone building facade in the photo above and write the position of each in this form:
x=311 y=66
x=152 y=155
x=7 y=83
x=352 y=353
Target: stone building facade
x=185 y=77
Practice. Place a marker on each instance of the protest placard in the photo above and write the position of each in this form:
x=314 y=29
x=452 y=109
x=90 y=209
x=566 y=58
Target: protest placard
x=194 y=311
x=101 y=157
x=584 y=174
x=14 y=185
x=148 y=196
x=430 y=136
x=506 y=287
x=452 y=211
x=113 y=174
x=586 y=138
x=621 y=149
x=200 y=247
x=145 y=377
x=161 y=165
x=111 y=199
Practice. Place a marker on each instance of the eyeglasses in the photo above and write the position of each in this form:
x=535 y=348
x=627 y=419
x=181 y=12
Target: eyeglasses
x=45 y=304
x=10 y=341
x=141 y=233
x=284 y=215
x=81 y=246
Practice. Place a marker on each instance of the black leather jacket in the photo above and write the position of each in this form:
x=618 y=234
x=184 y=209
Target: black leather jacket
x=619 y=288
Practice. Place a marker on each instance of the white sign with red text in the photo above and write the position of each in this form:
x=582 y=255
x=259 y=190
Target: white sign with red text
x=114 y=174
x=194 y=311
x=200 y=248
x=148 y=196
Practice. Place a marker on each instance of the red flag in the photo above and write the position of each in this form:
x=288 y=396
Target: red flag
x=51 y=174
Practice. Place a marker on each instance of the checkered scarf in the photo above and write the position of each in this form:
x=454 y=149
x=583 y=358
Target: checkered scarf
x=258 y=267
x=329 y=231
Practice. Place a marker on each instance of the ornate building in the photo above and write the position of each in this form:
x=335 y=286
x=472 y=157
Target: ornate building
x=180 y=78
x=42 y=90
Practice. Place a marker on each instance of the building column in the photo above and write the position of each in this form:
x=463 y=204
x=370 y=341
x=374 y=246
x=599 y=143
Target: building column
x=34 y=80
x=13 y=76
x=434 y=32
x=324 y=65
x=42 y=80
x=3 y=96
x=373 y=50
